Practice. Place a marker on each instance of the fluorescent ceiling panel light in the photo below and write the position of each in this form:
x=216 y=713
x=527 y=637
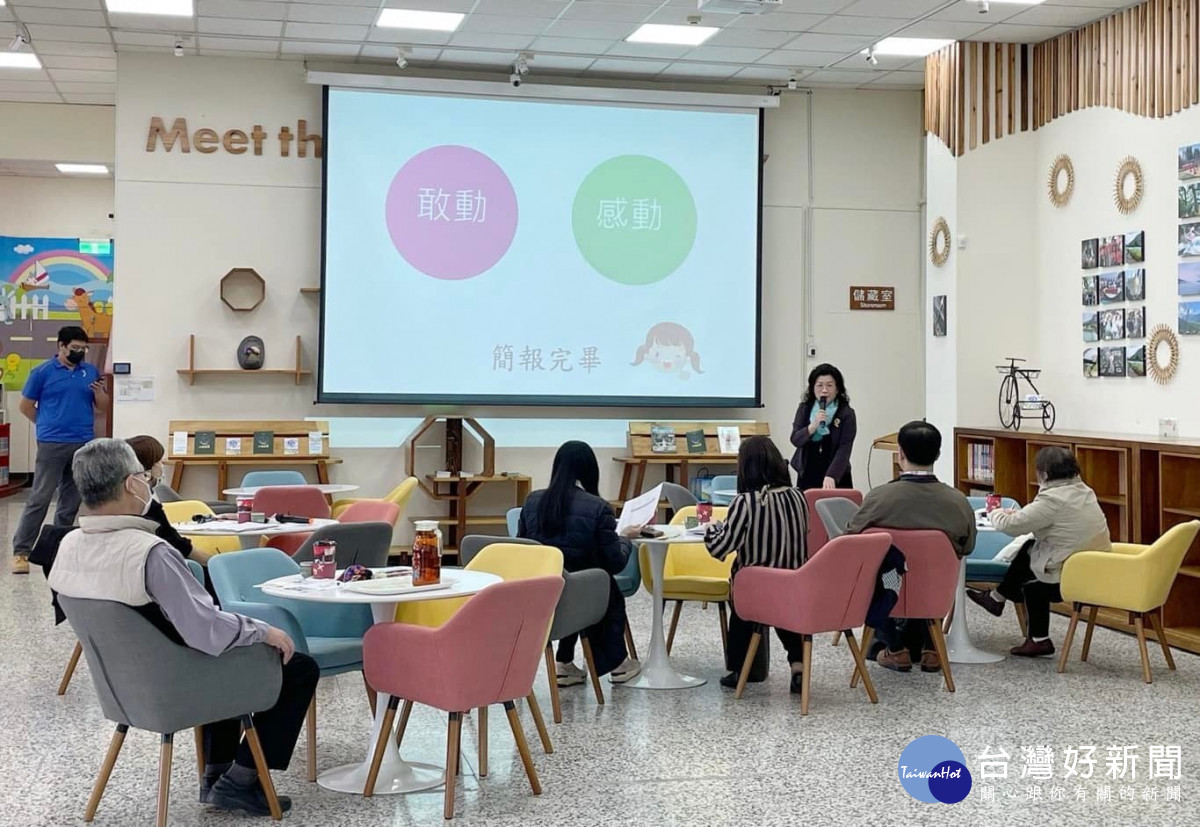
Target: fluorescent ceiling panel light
x=430 y=21
x=909 y=46
x=167 y=8
x=82 y=169
x=19 y=60
x=1016 y=2
x=672 y=35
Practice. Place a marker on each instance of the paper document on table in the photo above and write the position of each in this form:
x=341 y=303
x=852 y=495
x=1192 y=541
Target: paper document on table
x=220 y=527
x=311 y=584
x=641 y=510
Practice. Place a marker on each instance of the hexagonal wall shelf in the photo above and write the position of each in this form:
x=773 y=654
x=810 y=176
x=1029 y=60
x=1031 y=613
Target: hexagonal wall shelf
x=243 y=289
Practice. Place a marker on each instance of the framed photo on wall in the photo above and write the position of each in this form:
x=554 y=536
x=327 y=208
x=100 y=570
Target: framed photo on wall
x=1089 y=254
x=1091 y=363
x=1091 y=327
x=1189 y=239
x=1091 y=291
x=1135 y=360
x=1189 y=278
x=1112 y=251
x=1112 y=361
x=1135 y=285
x=1189 y=318
x=939 y=315
x=1189 y=200
x=1112 y=287
x=1112 y=324
x=1135 y=247
x=1135 y=322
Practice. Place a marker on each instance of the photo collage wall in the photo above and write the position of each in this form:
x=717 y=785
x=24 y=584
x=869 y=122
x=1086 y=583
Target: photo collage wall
x=1189 y=240
x=1110 y=316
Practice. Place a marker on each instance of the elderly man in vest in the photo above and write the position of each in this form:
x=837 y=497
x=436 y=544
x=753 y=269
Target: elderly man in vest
x=115 y=555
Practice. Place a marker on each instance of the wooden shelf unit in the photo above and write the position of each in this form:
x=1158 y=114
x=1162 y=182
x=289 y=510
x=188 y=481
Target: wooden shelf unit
x=1144 y=484
x=299 y=373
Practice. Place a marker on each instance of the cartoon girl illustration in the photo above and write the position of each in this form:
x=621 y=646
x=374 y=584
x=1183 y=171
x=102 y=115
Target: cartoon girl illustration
x=670 y=348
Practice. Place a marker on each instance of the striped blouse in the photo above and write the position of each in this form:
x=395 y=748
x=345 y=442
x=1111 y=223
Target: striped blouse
x=766 y=528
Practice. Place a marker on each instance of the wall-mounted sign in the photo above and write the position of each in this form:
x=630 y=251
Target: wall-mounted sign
x=872 y=298
x=234 y=141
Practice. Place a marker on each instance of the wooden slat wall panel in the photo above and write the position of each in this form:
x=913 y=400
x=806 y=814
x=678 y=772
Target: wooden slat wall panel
x=1144 y=60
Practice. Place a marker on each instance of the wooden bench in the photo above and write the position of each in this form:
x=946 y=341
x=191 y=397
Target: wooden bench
x=633 y=475
x=245 y=429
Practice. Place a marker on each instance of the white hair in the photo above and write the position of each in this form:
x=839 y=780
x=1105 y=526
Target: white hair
x=100 y=469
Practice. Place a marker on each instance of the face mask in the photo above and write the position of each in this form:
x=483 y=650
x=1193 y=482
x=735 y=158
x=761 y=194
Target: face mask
x=149 y=498
x=75 y=356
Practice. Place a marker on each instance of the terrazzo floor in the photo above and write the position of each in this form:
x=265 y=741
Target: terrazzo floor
x=691 y=757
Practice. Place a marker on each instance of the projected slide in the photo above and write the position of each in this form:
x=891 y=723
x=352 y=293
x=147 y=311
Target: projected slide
x=515 y=252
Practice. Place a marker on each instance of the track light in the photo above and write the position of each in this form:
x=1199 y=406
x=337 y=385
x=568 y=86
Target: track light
x=402 y=55
x=874 y=61
x=984 y=6
x=520 y=67
x=21 y=40
x=178 y=48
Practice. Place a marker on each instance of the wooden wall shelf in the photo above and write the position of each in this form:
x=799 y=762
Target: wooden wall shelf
x=310 y=291
x=299 y=373
x=1145 y=485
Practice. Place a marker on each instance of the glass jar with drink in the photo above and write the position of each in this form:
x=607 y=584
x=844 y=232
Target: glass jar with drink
x=427 y=554
x=245 y=506
x=324 y=559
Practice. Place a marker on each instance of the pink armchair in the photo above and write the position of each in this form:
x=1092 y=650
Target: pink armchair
x=831 y=592
x=927 y=593
x=487 y=653
x=370 y=511
x=300 y=500
x=817 y=536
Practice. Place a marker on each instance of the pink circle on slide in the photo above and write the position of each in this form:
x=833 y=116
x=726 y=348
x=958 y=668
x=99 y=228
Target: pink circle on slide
x=451 y=212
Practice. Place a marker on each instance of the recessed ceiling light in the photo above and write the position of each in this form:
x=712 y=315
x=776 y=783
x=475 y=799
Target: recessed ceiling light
x=169 y=8
x=431 y=21
x=672 y=35
x=82 y=169
x=908 y=46
x=19 y=60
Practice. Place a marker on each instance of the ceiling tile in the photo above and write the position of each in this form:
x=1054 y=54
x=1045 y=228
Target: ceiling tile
x=388 y=53
x=108 y=98
x=5 y=14
x=57 y=47
x=346 y=15
x=61 y=17
x=322 y=31
x=32 y=97
x=946 y=29
x=245 y=9
x=561 y=63
x=156 y=22
x=707 y=71
x=830 y=43
x=1071 y=16
x=1009 y=33
x=766 y=73
x=571 y=45
x=834 y=77
x=504 y=24
x=874 y=26
x=486 y=40
x=908 y=80
x=87 y=88
x=968 y=11
x=7 y=85
x=717 y=54
x=591 y=29
x=86 y=5
x=380 y=35
x=528 y=8
x=892 y=8
x=778 y=21
x=83 y=76
x=660 y=50
x=462 y=6
x=237 y=44
x=799 y=58
x=620 y=12
x=614 y=66
x=324 y=49
x=752 y=38
x=886 y=63
x=70 y=33
x=496 y=59
x=232 y=25
x=144 y=39
x=107 y=64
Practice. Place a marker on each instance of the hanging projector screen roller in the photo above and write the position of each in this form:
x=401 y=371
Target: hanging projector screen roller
x=490 y=251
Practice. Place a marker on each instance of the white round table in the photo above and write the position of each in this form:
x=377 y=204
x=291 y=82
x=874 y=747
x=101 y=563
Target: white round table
x=395 y=774
x=722 y=496
x=248 y=537
x=959 y=648
x=657 y=672
x=324 y=488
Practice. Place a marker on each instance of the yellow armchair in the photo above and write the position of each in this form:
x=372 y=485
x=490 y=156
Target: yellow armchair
x=184 y=510
x=691 y=574
x=400 y=495
x=1133 y=578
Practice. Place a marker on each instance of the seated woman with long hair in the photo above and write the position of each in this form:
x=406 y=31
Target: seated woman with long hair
x=767 y=525
x=571 y=516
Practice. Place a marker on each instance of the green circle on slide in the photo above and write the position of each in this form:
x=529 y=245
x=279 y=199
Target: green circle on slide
x=634 y=219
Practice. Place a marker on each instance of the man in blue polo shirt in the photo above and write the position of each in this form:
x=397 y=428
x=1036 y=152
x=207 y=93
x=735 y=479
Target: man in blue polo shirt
x=60 y=398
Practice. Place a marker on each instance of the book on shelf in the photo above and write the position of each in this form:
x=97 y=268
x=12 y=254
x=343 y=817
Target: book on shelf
x=264 y=442
x=696 y=443
x=980 y=466
x=206 y=442
x=233 y=445
x=662 y=439
x=729 y=438
x=291 y=445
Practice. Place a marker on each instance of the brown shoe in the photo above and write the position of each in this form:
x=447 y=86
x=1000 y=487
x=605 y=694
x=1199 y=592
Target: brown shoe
x=896 y=661
x=20 y=564
x=1034 y=649
x=930 y=662
x=985 y=601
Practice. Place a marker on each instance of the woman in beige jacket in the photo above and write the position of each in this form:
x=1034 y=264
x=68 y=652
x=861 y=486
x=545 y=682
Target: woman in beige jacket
x=1064 y=518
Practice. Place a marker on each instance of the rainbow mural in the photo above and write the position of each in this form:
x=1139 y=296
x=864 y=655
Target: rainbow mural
x=47 y=283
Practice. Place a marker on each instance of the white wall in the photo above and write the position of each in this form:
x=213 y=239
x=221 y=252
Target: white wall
x=56 y=132
x=184 y=220
x=941 y=352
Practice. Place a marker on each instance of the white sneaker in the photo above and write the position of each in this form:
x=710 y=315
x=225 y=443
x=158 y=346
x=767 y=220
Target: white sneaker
x=627 y=670
x=568 y=674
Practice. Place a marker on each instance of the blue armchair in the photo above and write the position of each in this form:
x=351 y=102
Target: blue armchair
x=331 y=635
x=982 y=567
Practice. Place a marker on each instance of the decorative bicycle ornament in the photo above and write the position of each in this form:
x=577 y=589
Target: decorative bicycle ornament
x=1013 y=407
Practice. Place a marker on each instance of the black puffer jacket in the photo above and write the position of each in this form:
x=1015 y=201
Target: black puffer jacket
x=588 y=539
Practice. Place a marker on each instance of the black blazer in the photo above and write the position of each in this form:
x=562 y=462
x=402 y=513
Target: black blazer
x=588 y=539
x=842 y=431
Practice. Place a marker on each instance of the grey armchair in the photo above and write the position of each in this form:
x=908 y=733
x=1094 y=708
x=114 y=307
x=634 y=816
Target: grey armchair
x=145 y=680
x=583 y=601
x=366 y=544
x=167 y=494
x=835 y=514
x=678 y=496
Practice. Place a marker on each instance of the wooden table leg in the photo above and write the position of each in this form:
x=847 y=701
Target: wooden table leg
x=641 y=478
x=322 y=472
x=626 y=481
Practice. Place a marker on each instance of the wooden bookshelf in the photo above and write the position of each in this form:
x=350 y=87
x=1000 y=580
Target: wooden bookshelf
x=1144 y=484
